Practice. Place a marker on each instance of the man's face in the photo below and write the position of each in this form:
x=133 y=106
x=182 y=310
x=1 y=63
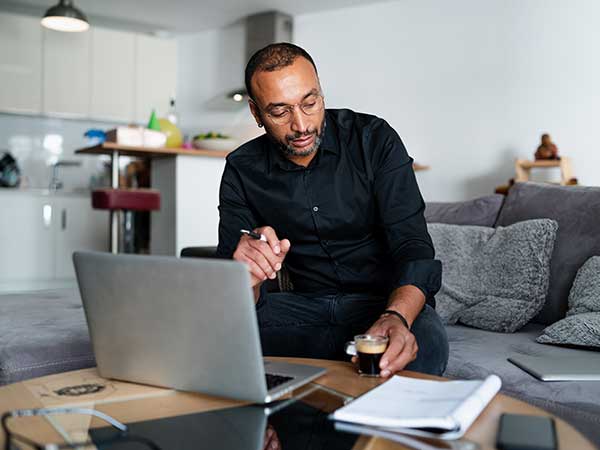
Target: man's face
x=291 y=85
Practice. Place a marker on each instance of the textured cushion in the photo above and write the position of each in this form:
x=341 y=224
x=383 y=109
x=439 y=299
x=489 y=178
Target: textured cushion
x=126 y=199
x=576 y=209
x=481 y=211
x=582 y=324
x=42 y=333
x=477 y=353
x=494 y=279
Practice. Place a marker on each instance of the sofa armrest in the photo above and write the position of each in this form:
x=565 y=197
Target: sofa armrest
x=281 y=284
x=199 y=252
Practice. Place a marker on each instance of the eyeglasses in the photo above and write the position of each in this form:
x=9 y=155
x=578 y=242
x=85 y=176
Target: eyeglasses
x=283 y=115
x=121 y=436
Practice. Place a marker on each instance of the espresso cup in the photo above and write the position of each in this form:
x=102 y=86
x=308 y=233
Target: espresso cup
x=369 y=349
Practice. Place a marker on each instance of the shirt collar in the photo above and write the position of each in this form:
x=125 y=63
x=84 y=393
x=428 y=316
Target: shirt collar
x=329 y=143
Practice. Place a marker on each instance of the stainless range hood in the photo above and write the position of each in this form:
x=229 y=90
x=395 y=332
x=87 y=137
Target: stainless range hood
x=263 y=29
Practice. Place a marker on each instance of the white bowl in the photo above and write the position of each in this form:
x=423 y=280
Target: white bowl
x=216 y=144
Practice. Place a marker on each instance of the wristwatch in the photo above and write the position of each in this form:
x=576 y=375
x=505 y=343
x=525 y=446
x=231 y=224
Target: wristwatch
x=398 y=315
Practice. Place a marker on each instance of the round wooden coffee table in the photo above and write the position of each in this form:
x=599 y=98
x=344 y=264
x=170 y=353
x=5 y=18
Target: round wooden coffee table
x=129 y=402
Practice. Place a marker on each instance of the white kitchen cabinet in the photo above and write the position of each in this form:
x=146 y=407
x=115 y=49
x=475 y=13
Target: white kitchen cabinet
x=66 y=74
x=39 y=233
x=113 y=75
x=77 y=227
x=99 y=74
x=26 y=238
x=20 y=64
x=156 y=75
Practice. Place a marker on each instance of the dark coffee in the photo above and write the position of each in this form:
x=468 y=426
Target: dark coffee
x=369 y=350
x=368 y=363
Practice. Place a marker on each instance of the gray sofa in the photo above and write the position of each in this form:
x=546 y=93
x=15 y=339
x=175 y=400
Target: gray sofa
x=45 y=332
x=475 y=353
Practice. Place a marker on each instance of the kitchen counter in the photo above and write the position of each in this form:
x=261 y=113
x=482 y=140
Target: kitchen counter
x=107 y=148
x=188 y=181
x=41 y=192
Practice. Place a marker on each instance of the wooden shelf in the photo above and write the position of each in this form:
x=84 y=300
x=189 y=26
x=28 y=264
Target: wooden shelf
x=540 y=163
x=523 y=169
x=419 y=167
x=107 y=148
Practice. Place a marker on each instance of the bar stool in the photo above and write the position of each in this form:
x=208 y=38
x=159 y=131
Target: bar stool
x=116 y=200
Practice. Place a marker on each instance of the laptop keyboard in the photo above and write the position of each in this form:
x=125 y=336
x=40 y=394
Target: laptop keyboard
x=275 y=380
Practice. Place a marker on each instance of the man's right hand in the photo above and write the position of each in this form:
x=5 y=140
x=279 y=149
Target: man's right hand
x=264 y=259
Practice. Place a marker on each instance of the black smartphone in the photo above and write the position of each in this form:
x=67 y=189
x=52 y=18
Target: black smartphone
x=522 y=432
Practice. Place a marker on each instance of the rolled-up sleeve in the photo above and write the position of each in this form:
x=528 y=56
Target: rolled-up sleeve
x=234 y=213
x=401 y=207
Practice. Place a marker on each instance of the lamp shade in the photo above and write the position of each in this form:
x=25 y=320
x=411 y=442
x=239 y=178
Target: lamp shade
x=65 y=17
x=238 y=95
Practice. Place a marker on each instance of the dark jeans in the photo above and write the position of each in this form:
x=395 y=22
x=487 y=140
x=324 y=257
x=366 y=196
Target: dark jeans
x=301 y=325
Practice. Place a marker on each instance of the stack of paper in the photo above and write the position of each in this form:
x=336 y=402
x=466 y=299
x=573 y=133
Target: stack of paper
x=438 y=409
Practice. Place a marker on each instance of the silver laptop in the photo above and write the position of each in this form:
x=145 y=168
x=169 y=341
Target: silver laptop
x=577 y=365
x=188 y=324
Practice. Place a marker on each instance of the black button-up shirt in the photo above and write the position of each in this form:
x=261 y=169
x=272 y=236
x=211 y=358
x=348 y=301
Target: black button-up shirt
x=354 y=216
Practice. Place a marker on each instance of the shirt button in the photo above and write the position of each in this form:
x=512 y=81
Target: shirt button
x=315 y=208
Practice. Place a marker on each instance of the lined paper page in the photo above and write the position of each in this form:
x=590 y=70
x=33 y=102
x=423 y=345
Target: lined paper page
x=404 y=402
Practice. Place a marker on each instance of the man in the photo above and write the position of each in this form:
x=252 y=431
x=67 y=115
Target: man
x=335 y=195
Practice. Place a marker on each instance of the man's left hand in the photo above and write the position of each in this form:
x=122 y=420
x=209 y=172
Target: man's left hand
x=402 y=348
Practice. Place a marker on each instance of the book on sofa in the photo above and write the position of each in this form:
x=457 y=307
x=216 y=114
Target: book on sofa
x=428 y=408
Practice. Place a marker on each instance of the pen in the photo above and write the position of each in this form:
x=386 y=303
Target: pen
x=254 y=235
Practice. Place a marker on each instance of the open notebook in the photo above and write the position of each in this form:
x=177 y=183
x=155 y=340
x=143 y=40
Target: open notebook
x=440 y=409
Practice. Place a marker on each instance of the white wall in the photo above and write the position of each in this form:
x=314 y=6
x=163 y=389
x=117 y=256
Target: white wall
x=211 y=64
x=469 y=85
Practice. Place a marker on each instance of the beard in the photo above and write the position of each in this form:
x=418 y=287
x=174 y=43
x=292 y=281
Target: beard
x=288 y=149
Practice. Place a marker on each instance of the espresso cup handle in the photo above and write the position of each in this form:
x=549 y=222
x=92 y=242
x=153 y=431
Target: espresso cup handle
x=350 y=348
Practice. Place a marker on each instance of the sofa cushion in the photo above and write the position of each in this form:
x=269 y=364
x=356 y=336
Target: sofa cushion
x=481 y=211
x=42 y=333
x=582 y=330
x=493 y=278
x=474 y=354
x=582 y=325
x=576 y=209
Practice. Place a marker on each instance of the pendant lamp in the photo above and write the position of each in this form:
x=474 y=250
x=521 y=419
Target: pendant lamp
x=65 y=17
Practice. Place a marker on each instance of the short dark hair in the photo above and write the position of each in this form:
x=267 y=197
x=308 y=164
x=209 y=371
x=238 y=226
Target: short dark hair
x=273 y=57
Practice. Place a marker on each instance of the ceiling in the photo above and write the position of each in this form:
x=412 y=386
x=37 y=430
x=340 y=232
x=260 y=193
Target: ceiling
x=178 y=16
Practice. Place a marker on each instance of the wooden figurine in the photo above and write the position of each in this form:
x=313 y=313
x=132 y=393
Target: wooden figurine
x=547 y=149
